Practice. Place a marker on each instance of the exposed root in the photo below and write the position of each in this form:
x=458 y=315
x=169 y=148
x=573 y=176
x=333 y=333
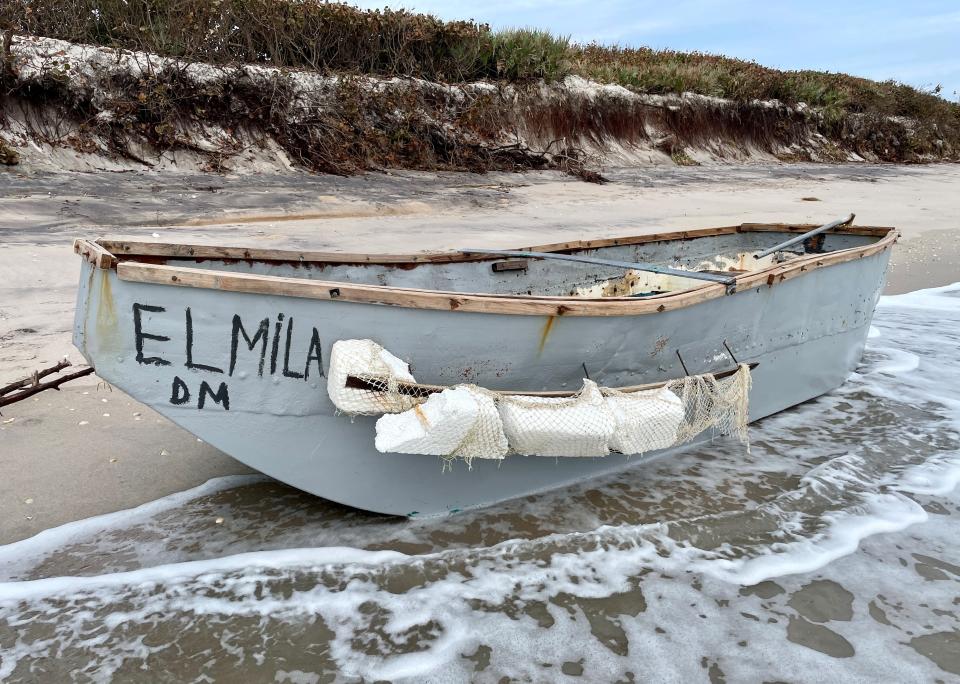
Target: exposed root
x=138 y=107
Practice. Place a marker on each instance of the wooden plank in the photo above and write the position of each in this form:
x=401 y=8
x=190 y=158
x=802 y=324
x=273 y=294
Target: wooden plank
x=95 y=253
x=510 y=265
x=870 y=231
x=483 y=302
x=197 y=251
x=633 y=239
x=412 y=298
x=189 y=251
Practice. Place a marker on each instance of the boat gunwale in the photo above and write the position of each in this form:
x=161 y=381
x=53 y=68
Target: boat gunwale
x=122 y=249
x=102 y=254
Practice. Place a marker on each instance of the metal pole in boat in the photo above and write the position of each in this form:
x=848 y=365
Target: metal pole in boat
x=729 y=281
x=809 y=234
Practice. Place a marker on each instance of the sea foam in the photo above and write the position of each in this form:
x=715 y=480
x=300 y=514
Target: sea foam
x=651 y=572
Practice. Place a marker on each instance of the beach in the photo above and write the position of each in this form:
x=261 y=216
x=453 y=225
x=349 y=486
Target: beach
x=826 y=551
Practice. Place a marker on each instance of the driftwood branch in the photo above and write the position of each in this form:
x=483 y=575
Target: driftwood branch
x=34 y=379
x=28 y=389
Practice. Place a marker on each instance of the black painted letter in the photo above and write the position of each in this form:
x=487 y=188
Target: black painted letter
x=276 y=344
x=180 y=393
x=139 y=336
x=287 y=373
x=314 y=354
x=221 y=396
x=262 y=333
x=190 y=363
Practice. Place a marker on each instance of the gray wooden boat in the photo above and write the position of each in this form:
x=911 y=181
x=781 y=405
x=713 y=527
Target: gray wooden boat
x=233 y=344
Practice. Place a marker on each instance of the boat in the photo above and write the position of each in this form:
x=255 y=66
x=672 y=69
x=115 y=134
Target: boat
x=234 y=343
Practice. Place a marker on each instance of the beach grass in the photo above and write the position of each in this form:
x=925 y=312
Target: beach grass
x=333 y=37
x=887 y=120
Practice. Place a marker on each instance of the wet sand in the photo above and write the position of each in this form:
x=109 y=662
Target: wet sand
x=65 y=459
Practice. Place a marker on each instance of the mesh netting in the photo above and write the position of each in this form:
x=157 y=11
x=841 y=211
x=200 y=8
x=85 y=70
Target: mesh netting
x=460 y=422
x=580 y=425
x=364 y=379
x=466 y=421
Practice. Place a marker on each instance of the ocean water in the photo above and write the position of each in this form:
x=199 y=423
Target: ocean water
x=828 y=551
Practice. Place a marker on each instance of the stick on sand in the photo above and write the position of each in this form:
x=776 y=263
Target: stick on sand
x=27 y=387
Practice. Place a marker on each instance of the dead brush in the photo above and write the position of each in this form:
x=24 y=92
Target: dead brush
x=412 y=124
x=333 y=37
x=8 y=155
x=669 y=127
x=357 y=125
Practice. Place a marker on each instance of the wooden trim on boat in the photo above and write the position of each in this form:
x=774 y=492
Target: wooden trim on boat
x=133 y=248
x=869 y=231
x=408 y=297
x=483 y=302
x=796 y=267
x=95 y=253
x=163 y=249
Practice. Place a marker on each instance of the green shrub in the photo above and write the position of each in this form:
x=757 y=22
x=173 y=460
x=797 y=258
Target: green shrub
x=520 y=54
x=337 y=38
x=333 y=37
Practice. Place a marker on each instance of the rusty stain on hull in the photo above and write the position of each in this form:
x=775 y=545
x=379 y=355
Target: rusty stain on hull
x=421 y=416
x=86 y=307
x=547 y=327
x=106 y=315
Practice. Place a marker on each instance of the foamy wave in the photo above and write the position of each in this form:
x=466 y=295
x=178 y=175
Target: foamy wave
x=843 y=480
x=584 y=574
x=936 y=477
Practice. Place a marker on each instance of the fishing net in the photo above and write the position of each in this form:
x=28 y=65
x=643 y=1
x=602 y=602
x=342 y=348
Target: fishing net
x=580 y=425
x=364 y=379
x=460 y=422
x=466 y=421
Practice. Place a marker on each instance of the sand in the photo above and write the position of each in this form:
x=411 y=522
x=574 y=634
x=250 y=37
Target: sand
x=45 y=450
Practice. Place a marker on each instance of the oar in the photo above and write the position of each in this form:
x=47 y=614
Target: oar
x=809 y=234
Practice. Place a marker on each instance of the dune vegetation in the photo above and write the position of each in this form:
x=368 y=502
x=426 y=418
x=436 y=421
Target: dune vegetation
x=884 y=120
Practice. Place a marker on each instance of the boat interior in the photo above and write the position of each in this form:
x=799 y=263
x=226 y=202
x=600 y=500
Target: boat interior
x=722 y=251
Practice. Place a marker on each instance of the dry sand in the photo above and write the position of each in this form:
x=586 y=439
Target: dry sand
x=70 y=470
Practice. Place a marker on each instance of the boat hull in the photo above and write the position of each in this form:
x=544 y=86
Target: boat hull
x=197 y=356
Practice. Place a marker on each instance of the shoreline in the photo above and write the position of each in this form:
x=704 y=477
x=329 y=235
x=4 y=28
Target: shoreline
x=137 y=456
